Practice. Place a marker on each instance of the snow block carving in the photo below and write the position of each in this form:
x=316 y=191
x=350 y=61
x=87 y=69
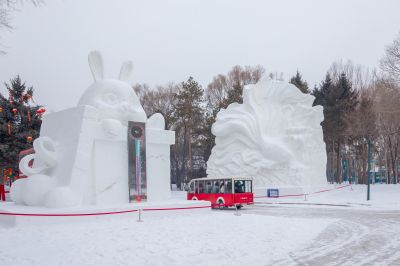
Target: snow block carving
x=81 y=156
x=275 y=137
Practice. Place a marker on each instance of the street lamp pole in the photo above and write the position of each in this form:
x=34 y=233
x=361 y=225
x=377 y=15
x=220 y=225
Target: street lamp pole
x=369 y=169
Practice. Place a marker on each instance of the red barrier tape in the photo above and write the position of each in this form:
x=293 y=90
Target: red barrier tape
x=300 y=195
x=174 y=209
x=97 y=213
x=64 y=214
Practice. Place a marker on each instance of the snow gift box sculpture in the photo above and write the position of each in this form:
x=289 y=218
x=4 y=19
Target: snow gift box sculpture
x=81 y=157
x=274 y=136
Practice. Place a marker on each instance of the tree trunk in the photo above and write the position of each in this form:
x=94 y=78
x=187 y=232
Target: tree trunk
x=387 y=167
x=338 y=164
x=190 y=154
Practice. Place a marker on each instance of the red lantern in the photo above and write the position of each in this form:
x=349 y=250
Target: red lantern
x=1 y=109
x=29 y=138
x=14 y=110
x=40 y=111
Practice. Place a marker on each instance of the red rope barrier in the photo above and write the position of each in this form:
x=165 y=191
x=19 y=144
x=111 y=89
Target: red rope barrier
x=64 y=214
x=97 y=213
x=173 y=209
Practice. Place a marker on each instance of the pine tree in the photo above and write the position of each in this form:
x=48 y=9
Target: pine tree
x=338 y=99
x=301 y=84
x=188 y=118
x=234 y=95
x=19 y=122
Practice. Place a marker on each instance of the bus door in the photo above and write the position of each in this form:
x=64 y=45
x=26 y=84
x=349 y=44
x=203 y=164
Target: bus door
x=243 y=191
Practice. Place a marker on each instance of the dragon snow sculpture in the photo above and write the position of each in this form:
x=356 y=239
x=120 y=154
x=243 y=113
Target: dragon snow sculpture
x=275 y=137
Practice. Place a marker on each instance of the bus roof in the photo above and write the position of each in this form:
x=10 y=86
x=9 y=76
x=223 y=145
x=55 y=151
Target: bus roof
x=217 y=178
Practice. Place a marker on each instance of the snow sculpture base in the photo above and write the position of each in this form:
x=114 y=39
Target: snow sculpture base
x=95 y=166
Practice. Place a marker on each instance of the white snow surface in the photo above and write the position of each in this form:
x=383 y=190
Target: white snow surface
x=382 y=196
x=355 y=232
x=217 y=238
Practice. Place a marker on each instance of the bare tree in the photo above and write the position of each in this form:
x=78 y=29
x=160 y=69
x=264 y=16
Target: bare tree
x=362 y=127
x=390 y=63
x=386 y=106
x=158 y=100
x=225 y=89
x=360 y=76
x=7 y=7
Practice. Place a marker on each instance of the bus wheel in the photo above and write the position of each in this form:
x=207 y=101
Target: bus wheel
x=194 y=198
x=221 y=203
x=239 y=206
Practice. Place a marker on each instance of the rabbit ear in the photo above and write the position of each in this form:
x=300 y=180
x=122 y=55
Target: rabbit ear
x=96 y=65
x=126 y=71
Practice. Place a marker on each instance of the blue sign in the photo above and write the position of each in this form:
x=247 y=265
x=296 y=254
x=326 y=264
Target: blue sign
x=273 y=193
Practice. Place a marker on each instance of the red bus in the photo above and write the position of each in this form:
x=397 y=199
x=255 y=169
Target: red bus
x=222 y=192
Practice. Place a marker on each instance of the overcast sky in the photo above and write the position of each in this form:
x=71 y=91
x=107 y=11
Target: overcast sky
x=172 y=40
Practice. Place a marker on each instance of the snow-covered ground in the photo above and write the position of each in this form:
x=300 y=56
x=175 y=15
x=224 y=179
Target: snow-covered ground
x=217 y=238
x=352 y=232
x=382 y=196
x=357 y=237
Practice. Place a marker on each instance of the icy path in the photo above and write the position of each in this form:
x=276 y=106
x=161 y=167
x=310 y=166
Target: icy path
x=358 y=237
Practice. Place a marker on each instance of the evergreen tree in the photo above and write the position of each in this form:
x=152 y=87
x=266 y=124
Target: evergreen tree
x=338 y=99
x=188 y=116
x=234 y=95
x=301 y=84
x=19 y=122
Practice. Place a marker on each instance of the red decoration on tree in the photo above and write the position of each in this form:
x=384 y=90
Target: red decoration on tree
x=40 y=111
x=29 y=138
x=1 y=109
x=29 y=116
x=14 y=110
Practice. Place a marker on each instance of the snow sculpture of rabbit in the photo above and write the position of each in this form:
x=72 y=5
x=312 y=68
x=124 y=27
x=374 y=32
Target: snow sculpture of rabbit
x=76 y=143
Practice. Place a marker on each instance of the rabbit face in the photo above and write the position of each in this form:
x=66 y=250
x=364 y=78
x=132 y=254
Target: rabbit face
x=114 y=99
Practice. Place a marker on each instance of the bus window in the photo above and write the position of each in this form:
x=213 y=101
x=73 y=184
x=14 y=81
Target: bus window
x=239 y=186
x=248 y=186
x=208 y=186
x=228 y=186
x=215 y=186
x=222 y=187
x=201 y=187
x=191 y=188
